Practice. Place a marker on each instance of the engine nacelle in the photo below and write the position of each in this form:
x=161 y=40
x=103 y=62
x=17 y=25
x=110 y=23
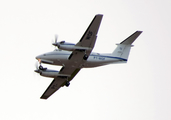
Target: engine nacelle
x=69 y=46
x=50 y=73
x=72 y=47
x=65 y=46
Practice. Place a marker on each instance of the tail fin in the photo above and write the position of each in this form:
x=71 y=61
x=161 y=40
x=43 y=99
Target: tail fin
x=123 y=49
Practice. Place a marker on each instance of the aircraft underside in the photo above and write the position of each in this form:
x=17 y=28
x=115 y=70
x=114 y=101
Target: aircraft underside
x=73 y=57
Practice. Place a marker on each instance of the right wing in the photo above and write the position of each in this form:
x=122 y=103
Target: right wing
x=60 y=81
x=53 y=87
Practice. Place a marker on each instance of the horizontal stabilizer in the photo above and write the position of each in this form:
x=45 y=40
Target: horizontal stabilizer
x=131 y=39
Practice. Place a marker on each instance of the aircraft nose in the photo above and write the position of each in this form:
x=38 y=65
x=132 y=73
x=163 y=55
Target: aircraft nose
x=39 y=57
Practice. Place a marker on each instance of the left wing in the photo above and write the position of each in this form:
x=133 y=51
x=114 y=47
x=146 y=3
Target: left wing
x=75 y=60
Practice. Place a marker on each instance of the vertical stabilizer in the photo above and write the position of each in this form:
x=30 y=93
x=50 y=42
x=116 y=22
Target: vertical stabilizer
x=123 y=49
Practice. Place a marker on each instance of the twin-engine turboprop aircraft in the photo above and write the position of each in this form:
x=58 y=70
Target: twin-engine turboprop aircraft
x=74 y=57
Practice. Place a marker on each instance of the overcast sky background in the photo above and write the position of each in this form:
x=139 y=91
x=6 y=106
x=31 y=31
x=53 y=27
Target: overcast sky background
x=138 y=90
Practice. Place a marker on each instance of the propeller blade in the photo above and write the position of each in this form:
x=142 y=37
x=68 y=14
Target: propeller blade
x=37 y=67
x=56 y=38
x=55 y=42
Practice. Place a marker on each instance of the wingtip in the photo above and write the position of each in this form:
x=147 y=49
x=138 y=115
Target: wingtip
x=44 y=97
x=139 y=31
x=99 y=14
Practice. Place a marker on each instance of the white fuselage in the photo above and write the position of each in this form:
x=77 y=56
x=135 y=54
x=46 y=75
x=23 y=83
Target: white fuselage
x=60 y=57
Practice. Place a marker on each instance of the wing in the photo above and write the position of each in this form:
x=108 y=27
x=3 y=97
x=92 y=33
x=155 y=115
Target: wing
x=53 y=87
x=75 y=60
x=89 y=37
x=60 y=81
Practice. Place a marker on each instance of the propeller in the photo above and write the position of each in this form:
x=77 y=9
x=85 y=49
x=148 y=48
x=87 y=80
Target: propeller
x=39 y=67
x=57 y=44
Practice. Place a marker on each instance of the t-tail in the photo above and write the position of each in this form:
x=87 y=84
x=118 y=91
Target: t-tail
x=123 y=49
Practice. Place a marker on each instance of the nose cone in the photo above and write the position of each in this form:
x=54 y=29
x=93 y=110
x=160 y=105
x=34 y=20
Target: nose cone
x=44 y=58
x=39 y=57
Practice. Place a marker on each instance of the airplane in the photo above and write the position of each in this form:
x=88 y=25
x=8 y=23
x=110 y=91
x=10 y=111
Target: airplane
x=74 y=57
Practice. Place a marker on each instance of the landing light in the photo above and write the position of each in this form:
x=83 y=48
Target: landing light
x=39 y=60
